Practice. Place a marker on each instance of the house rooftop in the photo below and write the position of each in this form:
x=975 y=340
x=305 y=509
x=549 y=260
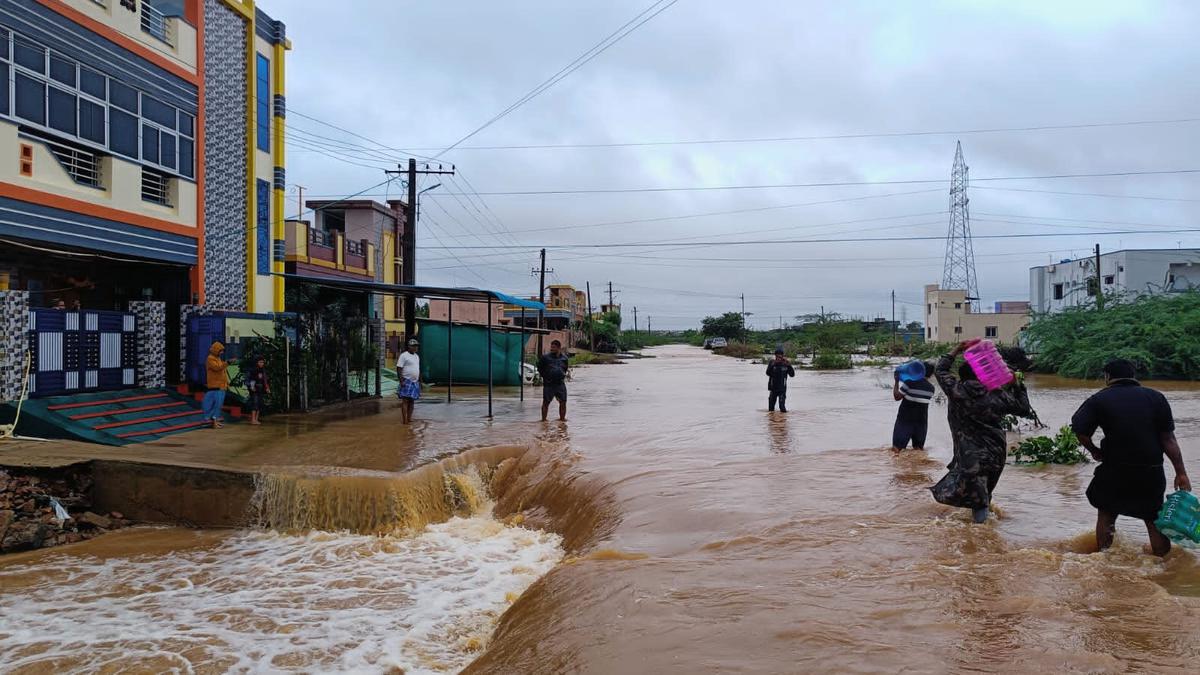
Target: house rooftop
x=1181 y=251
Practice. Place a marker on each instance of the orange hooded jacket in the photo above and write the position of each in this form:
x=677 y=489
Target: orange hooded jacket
x=218 y=375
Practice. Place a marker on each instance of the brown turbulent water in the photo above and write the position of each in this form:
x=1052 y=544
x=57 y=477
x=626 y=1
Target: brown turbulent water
x=701 y=534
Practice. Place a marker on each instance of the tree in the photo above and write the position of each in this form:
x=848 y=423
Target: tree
x=728 y=325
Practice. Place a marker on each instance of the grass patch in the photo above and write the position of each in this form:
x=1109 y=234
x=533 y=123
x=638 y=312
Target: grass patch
x=740 y=350
x=832 y=361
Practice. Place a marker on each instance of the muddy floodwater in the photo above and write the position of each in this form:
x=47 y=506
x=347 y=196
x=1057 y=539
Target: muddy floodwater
x=671 y=525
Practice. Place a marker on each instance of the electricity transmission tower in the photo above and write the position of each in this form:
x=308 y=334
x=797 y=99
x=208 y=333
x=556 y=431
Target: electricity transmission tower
x=960 y=252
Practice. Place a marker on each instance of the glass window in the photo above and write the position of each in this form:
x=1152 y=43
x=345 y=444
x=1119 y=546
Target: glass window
x=149 y=143
x=263 y=108
x=157 y=111
x=3 y=44
x=263 y=226
x=91 y=121
x=4 y=88
x=92 y=83
x=123 y=133
x=62 y=70
x=29 y=55
x=187 y=125
x=187 y=156
x=123 y=96
x=167 y=141
x=62 y=111
x=31 y=99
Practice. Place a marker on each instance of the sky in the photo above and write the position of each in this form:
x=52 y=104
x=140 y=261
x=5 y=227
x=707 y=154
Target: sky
x=373 y=82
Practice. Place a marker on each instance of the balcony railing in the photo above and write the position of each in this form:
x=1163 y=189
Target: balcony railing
x=82 y=165
x=357 y=248
x=155 y=23
x=320 y=237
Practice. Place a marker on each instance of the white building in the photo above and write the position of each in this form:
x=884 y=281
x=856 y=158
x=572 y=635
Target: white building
x=1071 y=283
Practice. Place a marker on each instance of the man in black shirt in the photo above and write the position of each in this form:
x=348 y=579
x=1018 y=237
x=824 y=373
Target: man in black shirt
x=554 y=368
x=912 y=420
x=778 y=372
x=1138 y=430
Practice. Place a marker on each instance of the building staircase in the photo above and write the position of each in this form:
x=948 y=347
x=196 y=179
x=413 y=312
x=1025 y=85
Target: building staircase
x=116 y=417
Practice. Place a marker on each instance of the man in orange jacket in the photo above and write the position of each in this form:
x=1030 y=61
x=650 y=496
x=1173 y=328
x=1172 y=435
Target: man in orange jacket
x=216 y=382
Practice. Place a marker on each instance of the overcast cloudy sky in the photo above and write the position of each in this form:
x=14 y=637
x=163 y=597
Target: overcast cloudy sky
x=420 y=75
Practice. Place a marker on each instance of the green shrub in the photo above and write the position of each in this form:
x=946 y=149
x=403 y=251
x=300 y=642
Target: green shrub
x=832 y=361
x=741 y=350
x=1062 y=449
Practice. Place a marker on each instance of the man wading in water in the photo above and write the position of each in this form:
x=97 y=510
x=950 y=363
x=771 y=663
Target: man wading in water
x=912 y=419
x=554 y=368
x=980 y=443
x=778 y=372
x=1138 y=430
x=408 y=367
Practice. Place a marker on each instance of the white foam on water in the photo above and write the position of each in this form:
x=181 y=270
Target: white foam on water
x=264 y=601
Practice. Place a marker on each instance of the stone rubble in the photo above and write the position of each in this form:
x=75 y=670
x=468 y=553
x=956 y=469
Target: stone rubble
x=28 y=520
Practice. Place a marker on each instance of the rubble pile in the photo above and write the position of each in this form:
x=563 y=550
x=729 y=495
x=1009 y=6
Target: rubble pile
x=29 y=518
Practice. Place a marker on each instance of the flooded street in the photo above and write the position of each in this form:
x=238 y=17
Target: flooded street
x=700 y=532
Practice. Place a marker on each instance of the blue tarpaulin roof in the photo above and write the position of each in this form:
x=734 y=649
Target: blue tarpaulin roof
x=465 y=294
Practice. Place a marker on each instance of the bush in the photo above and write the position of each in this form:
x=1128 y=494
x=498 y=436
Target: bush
x=741 y=350
x=1160 y=333
x=1062 y=449
x=832 y=361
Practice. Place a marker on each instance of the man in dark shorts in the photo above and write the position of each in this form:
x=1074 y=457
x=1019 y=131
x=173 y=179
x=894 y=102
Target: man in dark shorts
x=912 y=420
x=1138 y=430
x=554 y=368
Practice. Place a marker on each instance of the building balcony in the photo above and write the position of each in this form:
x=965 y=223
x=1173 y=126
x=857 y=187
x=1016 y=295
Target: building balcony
x=317 y=252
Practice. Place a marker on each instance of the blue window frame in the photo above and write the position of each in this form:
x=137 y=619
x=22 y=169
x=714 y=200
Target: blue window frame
x=31 y=99
x=263 y=226
x=263 y=101
x=4 y=89
x=62 y=111
x=123 y=133
x=91 y=121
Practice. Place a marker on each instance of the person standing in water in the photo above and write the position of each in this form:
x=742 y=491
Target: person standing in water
x=408 y=367
x=980 y=442
x=554 y=369
x=912 y=419
x=778 y=372
x=258 y=385
x=1138 y=430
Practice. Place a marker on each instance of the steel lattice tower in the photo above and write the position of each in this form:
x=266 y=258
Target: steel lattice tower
x=960 y=251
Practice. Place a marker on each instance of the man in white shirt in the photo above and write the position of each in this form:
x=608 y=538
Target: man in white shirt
x=408 y=367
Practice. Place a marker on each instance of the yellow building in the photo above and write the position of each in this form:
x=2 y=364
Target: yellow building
x=950 y=317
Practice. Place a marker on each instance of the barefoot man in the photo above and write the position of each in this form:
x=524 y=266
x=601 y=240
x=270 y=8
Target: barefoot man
x=408 y=366
x=1138 y=430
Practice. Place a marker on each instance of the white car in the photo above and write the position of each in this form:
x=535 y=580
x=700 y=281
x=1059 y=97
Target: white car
x=719 y=343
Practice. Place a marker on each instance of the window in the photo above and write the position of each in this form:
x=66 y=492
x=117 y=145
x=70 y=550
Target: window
x=93 y=83
x=263 y=226
x=122 y=96
x=929 y=308
x=63 y=112
x=157 y=111
x=123 y=133
x=82 y=164
x=1171 y=278
x=91 y=121
x=29 y=55
x=1058 y=291
x=958 y=330
x=1109 y=279
x=149 y=143
x=990 y=331
x=31 y=99
x=928 y=332
x=263 y=100
x=958 y=305
x=4 y=89
x=187 y=157
x=1092 y=287
x=156 y=187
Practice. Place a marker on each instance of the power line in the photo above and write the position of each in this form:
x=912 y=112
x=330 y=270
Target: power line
x=842 y=240
x=581 y=60
x=853 y=136
x=1086 y=194
x=771 y=186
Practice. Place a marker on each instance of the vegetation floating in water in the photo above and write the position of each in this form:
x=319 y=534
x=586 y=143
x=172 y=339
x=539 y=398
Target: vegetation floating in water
x=1063 y=448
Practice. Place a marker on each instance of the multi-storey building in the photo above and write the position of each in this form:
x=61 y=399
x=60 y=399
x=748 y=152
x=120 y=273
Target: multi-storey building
x=1072 y=283
x=144 y=155
x=951 y=317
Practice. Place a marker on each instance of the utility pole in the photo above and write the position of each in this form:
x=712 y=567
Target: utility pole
x=610 y=294
x=743 y=315
x=1099 y=288
x=541 y=272
x=408 y=239
x=893 y=316
x=299 y=202
x=591 y=319
x=635 y=321
x=649 y=330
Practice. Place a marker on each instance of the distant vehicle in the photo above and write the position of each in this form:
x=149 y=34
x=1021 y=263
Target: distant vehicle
x=708 y=343
x=719 y=343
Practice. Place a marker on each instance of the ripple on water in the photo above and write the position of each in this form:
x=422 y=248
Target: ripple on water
x=264 y=601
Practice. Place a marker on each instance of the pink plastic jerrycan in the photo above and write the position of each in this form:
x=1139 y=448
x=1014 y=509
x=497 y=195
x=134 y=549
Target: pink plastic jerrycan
x=988 y=365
